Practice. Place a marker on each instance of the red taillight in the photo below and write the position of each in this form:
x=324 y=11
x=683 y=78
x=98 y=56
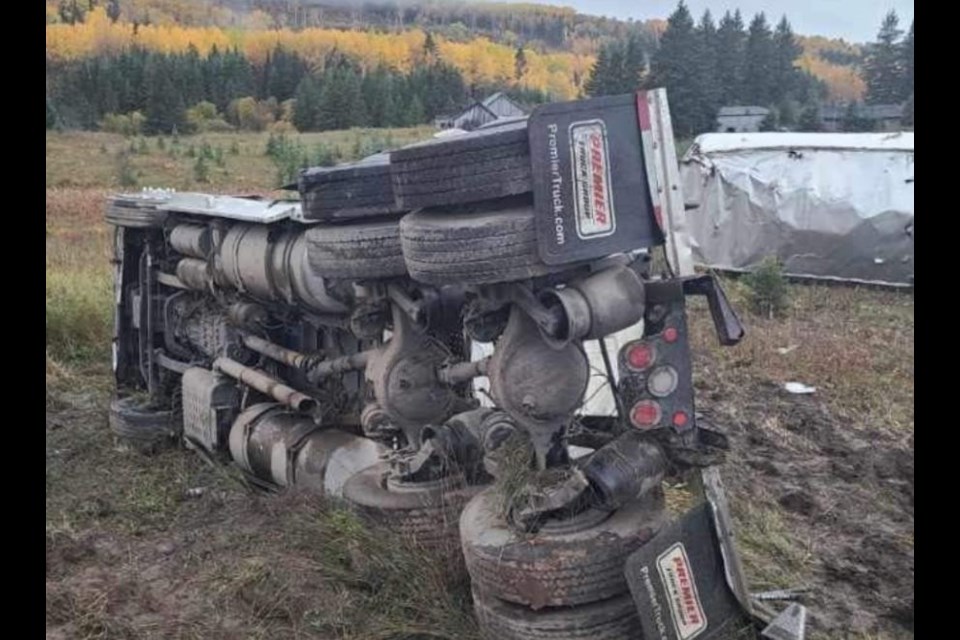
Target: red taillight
x=645 y=413
x=680 y=419
x=670 y=334
x=640 y=356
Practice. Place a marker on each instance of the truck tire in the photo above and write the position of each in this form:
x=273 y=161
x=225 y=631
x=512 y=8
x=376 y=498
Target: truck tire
x=613 y=619
x=427 y=517
x=356 y=251
x=485 y=164
x=121 y=213
x=472 y=245
x=350 y=191
x=554 y=568
x=142 y=428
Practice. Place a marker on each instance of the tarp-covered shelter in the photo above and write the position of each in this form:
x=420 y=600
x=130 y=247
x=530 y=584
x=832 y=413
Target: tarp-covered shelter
x=828 y=205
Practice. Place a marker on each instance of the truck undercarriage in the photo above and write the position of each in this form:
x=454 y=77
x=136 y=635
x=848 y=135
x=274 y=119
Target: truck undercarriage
x=414 y=333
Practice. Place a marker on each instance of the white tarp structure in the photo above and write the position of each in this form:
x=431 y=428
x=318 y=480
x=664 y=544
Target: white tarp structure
x=828 y=205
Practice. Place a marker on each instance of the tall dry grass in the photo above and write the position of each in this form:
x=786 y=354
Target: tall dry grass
x=78 y=276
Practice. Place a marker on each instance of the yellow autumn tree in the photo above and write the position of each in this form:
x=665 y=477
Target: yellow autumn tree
x=480 y=60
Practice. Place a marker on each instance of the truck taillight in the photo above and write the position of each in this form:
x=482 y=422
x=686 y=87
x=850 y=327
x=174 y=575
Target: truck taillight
x=640 y=356
x=656 y=383
x=645 y=414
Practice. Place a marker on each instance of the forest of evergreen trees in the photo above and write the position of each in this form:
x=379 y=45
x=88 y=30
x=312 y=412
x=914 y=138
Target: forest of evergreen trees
x=188 y=91
x=704 y=65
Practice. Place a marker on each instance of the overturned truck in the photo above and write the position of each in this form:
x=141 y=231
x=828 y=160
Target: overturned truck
x=429 y=320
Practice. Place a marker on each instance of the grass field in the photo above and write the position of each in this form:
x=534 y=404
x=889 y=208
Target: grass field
x=86 y=160
x=822 y=485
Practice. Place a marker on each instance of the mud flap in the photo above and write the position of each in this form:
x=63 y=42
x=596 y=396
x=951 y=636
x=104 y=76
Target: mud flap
x=584 y=209
x=678 y=582
x=687 y=582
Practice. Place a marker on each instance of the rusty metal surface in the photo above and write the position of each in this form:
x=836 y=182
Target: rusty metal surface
x=276 y=352
x=343 y=364
x=538 y=384
x=266 y=439
x=403 y=376
x=327 y=459
x=266 y=384
x=208 y=401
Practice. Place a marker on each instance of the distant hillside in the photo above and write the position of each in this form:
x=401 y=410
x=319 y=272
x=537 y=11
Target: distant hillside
x=478 y=38
x=837 y=63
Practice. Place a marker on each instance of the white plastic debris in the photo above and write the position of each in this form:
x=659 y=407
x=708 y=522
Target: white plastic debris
x=798 y=388
x=791 y=624
x=785 y=350
x=578 y=452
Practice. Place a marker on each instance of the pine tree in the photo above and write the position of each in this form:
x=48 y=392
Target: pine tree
x=883 y=70
x=376 y=90
x=853 y=121
x=907 y=63
x=165 y=107
x=599 y=81
x=306 y=105
x=634 y=65
x=671 y=68
x=786 y=51
x=341 y=103
x=758 y=80
x=731 y=49
x=810 y=118
x=415 y=113
x=707 y=73
x=519 y=63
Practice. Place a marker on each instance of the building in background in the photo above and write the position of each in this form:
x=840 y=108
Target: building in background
x=479 y=113
x=875 y=117
x=741 y=119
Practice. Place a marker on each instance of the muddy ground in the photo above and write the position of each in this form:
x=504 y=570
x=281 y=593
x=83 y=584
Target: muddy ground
x=822 y=488
x=822 y=484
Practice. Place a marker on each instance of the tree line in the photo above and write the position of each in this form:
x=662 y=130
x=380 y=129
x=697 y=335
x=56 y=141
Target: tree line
x=224 y=89
x=505 y=22
x=888 y=68
x=706 y=65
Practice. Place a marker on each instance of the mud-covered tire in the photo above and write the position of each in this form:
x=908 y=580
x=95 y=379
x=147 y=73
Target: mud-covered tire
x=484 y=164
x=123 y=214
x=612 y=619
x=356 y=251
x=427 y=518
x=472 y=245
x=555 y=569
x=142 y=428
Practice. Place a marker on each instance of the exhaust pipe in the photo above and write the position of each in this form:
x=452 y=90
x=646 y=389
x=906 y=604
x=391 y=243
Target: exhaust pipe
x=267 y=385
x=597 y=306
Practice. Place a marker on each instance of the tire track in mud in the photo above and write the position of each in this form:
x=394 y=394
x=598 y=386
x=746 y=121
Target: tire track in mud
x=846 y=497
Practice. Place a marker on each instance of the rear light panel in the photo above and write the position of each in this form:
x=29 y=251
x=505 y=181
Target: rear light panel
x=656 y=383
